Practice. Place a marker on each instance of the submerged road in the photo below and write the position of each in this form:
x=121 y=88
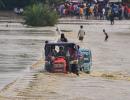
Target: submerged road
x=109 y=79
x=20 y=47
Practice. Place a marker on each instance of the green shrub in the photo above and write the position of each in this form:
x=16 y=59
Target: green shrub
x=2 y=5
x=40 y=15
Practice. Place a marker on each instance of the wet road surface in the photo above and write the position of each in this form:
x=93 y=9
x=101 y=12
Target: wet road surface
x=20 y=47
x=111 y=56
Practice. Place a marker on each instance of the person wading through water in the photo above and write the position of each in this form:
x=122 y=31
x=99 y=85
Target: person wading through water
x=81 y=33
x=63 y=38
x=106 y=35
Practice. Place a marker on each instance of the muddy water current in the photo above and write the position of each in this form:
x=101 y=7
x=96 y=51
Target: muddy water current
x=20 y=47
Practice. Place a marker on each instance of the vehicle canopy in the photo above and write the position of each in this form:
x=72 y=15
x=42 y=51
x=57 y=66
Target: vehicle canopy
x=61 y=44
x=65 y=45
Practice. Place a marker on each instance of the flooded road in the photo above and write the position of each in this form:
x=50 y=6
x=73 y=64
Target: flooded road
x=110 y=73
x=112 y=55
x=20 y=47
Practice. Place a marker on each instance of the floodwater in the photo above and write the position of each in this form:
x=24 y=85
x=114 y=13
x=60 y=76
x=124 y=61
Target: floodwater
x=112 y=55
x=20 y=47
x=110 y=76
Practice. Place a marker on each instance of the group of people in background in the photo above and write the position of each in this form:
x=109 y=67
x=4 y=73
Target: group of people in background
x=93 y=9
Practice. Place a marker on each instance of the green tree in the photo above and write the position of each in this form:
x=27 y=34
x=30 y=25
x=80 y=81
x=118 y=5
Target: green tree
x=2 y=5
x=39 y=15
x=10 y=4
x=49 y=2
x=54 y=2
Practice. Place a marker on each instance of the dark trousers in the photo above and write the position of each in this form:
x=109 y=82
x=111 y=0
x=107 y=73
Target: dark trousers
x=74 y=69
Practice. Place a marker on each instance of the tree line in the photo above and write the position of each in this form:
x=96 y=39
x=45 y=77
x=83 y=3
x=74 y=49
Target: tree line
x=11 y=4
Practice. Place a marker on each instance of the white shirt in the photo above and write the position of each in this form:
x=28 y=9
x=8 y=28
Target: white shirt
x=103 y=11
x=81 y=33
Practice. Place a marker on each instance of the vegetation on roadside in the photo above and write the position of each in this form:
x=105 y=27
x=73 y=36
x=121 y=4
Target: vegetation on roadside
x=2 y=5
x=40 y=15
x=11 y=4
x=36 y=12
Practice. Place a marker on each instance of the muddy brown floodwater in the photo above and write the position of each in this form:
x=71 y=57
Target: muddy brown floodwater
x=110 y=73
x=20 y=47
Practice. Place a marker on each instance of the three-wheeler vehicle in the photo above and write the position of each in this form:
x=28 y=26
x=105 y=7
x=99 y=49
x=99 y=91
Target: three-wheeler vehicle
x=61 y=57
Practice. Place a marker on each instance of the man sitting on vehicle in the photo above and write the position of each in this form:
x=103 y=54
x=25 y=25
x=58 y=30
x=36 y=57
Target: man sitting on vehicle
x=52 y=53
x=63 y=38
